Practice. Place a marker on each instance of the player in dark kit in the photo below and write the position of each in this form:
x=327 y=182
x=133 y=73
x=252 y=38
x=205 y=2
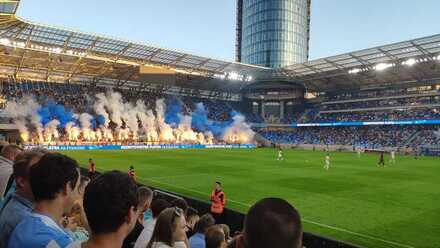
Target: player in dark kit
x=381 y=159
x=92 y=169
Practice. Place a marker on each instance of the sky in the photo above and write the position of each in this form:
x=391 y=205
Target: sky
x=207 y=27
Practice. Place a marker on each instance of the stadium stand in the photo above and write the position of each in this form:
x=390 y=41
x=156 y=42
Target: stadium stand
x=372 y=137
x=335 y=89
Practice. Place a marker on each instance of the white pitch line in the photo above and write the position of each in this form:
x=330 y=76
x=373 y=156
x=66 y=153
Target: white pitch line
x=305 y=220
x=177 y=176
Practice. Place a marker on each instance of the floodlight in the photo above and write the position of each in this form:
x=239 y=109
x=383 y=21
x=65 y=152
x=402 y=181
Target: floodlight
x=382 y=66
x=354 y=71
x=5 y=41
x=410 y=62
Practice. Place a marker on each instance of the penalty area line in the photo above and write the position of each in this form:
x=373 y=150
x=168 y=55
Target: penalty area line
x=304 y=220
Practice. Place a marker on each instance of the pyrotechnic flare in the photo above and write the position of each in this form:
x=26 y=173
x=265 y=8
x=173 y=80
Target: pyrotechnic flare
x=116 y=120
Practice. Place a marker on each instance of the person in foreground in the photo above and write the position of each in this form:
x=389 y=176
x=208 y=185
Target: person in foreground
x=19 y=205
x=110 y=203
x=281 y=226
x=198 y=239
x=215 y=237
x=54 y=181
x=157 y=206
x=170 y=230
x=145 y=196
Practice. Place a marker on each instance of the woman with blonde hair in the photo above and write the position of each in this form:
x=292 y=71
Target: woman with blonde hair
x=169 y=231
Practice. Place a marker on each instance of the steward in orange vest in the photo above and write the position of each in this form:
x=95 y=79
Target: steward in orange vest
x=92 y=169
x=131 y=173
x=218 y=201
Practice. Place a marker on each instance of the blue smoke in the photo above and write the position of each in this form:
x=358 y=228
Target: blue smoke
x=202 y=123
x=52 y=110
x=174 y=108
x=100 y=120
x=200 y=119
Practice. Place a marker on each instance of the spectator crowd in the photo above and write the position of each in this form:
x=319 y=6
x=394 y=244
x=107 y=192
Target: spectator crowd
x=47 y=202
x=79 y=98
x=362 y=136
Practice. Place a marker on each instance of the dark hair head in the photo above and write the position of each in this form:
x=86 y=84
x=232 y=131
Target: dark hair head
x=108 y=200
x=191 y=212
x=219 y=183
x=10 y=151
x=23 y=163
x=204 y=223
x=90 y=159
x=282 y=225
x=131 y=167
x=144 y=194
x=214 y=237
x=180 y=203
x=157 y=206
x=165 y=226
x=51 y=175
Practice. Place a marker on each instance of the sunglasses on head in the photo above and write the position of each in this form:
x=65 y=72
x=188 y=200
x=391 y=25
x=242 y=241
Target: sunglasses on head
x=178 y=212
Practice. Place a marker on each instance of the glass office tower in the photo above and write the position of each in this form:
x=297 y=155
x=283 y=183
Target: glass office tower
x=273 y=33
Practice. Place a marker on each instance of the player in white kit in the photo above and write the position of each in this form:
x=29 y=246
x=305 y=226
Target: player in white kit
x=327 y=162
x=393 y=157
x=280 y=154
x=359 y=152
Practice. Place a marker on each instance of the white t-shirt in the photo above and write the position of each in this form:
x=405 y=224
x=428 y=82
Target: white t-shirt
x=179 y=244
x=146 y=234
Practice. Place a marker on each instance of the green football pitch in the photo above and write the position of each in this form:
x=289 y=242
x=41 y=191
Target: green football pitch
x=354 y=201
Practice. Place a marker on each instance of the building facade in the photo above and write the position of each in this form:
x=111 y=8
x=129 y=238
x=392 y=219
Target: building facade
x=273 y=33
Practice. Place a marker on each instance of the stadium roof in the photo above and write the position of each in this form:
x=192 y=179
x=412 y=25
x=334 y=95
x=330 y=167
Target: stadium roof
x=33 y=39
x=413 y=60
x=29 y=50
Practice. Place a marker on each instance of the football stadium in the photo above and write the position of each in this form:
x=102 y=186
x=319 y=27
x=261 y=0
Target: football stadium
x=99 y=132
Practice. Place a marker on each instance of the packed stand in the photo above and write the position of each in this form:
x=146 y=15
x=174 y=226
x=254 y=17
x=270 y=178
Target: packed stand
x=380 y=93
x=365 y=136
x=409 y=102
x=78 y=97
x=401 y=115
x=427 y=137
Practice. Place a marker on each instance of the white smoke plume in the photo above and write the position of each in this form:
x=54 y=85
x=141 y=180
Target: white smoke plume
x=166 y=132
x=115 y=107
x=239 y=131
x=85 y=120
x=148 y=121
x=130 y=122
x=99 y=107
x=130 y=116
x=72 y=131
x=21 y=126
x=25 y=108
x=51 y=130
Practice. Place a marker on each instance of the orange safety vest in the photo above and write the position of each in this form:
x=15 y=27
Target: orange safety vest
x=131 y=173
x=92 y=167
x=218 y=200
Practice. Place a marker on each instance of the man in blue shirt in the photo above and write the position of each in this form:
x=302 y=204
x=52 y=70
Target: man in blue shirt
x=54 y=181
x=198 y=239
x=111 y=220
x=18 y=204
